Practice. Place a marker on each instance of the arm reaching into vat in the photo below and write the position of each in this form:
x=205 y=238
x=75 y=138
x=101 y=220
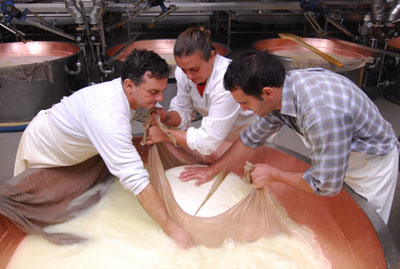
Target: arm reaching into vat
x=263 y=174
x=152 y=203
x=237 y=153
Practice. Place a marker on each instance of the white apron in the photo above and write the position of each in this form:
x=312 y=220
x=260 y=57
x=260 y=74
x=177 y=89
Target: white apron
x=373 y=177
x=43 y=145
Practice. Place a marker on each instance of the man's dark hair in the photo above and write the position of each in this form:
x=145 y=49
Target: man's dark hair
x=140 y=61
x=252 y=71
x=192 y=40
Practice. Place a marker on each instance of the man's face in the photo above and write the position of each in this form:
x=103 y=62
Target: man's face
x=261 y=107
x=195 y=67
x=147 y=93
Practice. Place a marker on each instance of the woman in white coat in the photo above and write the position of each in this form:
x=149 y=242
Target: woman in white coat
x=199 y=75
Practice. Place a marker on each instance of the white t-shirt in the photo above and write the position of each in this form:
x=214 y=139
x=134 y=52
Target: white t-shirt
x=222 y=116
x=100 y=119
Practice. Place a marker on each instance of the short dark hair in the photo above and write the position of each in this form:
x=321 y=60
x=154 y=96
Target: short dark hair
x=140 y=61
x=253 y=70
x=192 y=40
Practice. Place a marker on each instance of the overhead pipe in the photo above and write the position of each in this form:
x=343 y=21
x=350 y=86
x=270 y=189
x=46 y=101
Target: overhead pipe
x=98 y=6
x=378 y=9
x=394 y=12
x=74 y=11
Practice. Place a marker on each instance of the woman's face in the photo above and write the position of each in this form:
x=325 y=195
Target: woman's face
x=196 y=68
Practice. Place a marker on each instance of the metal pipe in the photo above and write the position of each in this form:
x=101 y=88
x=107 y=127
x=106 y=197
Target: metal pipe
x=103 y=70
x=51 y=29
x=378 y=9
x=74 y=11
x=394 y=12
x=98 y=6
x=74 y=72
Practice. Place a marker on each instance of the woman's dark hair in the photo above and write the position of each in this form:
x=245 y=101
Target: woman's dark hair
x=192 y=40
x=252 y=71
x=140 y=61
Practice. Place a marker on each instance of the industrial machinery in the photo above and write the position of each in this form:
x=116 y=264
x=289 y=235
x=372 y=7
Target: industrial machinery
x=95 y=24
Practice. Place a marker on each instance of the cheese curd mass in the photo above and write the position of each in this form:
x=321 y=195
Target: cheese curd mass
x=122 y=235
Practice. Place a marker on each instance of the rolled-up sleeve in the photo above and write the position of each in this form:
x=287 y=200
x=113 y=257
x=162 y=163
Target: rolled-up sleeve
x=330 y=133
x=182 y=102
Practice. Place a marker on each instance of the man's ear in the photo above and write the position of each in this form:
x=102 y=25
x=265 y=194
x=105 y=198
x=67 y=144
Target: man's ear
x=268 y=91
x=128 y=86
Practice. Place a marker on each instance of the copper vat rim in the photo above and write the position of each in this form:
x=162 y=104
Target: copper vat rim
x=39 y=48
x=114 y=49
x=344 y=48
x=394 y=44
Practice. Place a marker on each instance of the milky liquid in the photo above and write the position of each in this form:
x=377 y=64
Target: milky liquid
x=122 y=235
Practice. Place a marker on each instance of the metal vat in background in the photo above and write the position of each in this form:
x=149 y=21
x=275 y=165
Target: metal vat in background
x=25 y=89
x=329 y=46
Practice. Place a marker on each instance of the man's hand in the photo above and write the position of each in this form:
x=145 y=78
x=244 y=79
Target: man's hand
x=180 y=236
x=155 y=135
x=202 y=174
x=261 y=175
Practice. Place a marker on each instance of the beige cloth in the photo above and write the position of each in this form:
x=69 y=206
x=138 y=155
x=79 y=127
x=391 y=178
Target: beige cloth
x=255 y=216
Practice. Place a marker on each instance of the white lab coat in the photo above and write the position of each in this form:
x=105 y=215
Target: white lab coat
x=222 y=116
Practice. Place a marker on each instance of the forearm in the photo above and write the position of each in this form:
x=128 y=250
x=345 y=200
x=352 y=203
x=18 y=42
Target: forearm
x=237 y=153
x=293 y=179
x=180 y=137
x=151 y=202
x=173 y=119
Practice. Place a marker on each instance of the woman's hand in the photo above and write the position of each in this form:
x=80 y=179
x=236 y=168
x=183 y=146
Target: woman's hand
x=163 y=115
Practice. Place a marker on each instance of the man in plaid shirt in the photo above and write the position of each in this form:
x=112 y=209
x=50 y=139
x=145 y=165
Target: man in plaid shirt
x=350 y=141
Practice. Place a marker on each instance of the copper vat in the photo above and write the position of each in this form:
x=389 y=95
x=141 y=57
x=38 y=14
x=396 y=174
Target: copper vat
x=330 y=46
x=394 y=43
x=350 y=232
x=41 y=84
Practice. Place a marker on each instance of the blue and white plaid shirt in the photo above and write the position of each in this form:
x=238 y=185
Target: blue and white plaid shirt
x=334 y=116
